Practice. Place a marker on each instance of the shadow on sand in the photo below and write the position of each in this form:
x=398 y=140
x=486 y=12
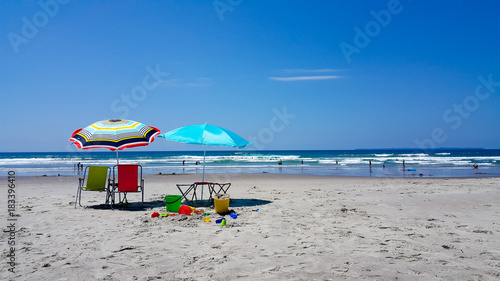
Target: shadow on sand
x=131 y=206
x=236 y=202
x=139 y=206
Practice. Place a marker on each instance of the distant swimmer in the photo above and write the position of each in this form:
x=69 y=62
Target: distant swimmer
x=475 y=165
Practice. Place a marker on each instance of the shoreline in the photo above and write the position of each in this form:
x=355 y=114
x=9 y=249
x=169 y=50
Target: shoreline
x=409 y=176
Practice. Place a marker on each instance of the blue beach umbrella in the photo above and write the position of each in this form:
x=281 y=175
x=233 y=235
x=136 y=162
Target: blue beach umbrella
x=206 y=134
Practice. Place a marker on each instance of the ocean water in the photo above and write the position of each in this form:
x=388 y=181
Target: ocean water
x=384 y=163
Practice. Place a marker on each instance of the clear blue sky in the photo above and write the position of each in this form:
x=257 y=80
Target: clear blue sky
x=353 y=74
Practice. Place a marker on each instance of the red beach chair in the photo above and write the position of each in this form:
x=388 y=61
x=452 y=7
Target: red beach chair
x=129 y=180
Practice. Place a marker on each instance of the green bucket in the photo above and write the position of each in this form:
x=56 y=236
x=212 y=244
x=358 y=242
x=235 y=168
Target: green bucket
x=173 y=202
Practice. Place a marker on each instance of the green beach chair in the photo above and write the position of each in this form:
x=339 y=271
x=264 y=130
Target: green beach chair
x=96 y=180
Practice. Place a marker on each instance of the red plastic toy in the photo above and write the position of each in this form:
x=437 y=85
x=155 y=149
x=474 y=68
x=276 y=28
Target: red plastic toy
x=185 y=210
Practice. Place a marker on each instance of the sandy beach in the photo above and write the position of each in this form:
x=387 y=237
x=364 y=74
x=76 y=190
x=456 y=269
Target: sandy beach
x=306 y=228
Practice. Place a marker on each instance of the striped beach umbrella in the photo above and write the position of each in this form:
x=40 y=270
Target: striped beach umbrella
x=115 y=134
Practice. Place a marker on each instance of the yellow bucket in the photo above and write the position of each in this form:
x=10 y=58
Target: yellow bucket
x=221 y=205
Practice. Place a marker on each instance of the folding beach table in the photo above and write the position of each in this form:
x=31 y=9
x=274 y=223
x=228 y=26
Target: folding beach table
x=221 y=188
x=189 y=193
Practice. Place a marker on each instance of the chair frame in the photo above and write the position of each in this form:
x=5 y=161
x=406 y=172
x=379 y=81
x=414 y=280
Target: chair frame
x=115 y=188
x=81 y=185
x=224 y=187
x=193 y=187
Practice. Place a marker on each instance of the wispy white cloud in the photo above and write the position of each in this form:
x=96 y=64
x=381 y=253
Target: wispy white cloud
x=299 y=70
x=308 y=74
x=303 y=78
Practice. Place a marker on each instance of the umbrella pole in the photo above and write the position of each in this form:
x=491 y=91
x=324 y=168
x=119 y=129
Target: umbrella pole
x=203 y=177
x=117 y=157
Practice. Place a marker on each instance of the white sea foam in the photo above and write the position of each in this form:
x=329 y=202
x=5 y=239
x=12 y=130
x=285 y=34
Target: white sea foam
x=242 y=161
x=420 y=159
x=413 y=155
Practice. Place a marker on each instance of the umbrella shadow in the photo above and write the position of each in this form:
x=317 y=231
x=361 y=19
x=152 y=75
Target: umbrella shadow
x=131 y=206
x=236 y=202
x=139 y=206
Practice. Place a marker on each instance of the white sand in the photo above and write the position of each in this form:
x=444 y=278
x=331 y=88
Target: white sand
x=307 y=228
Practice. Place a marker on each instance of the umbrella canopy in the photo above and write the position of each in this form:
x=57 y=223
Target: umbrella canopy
x=115 y=134
x=206 y=134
